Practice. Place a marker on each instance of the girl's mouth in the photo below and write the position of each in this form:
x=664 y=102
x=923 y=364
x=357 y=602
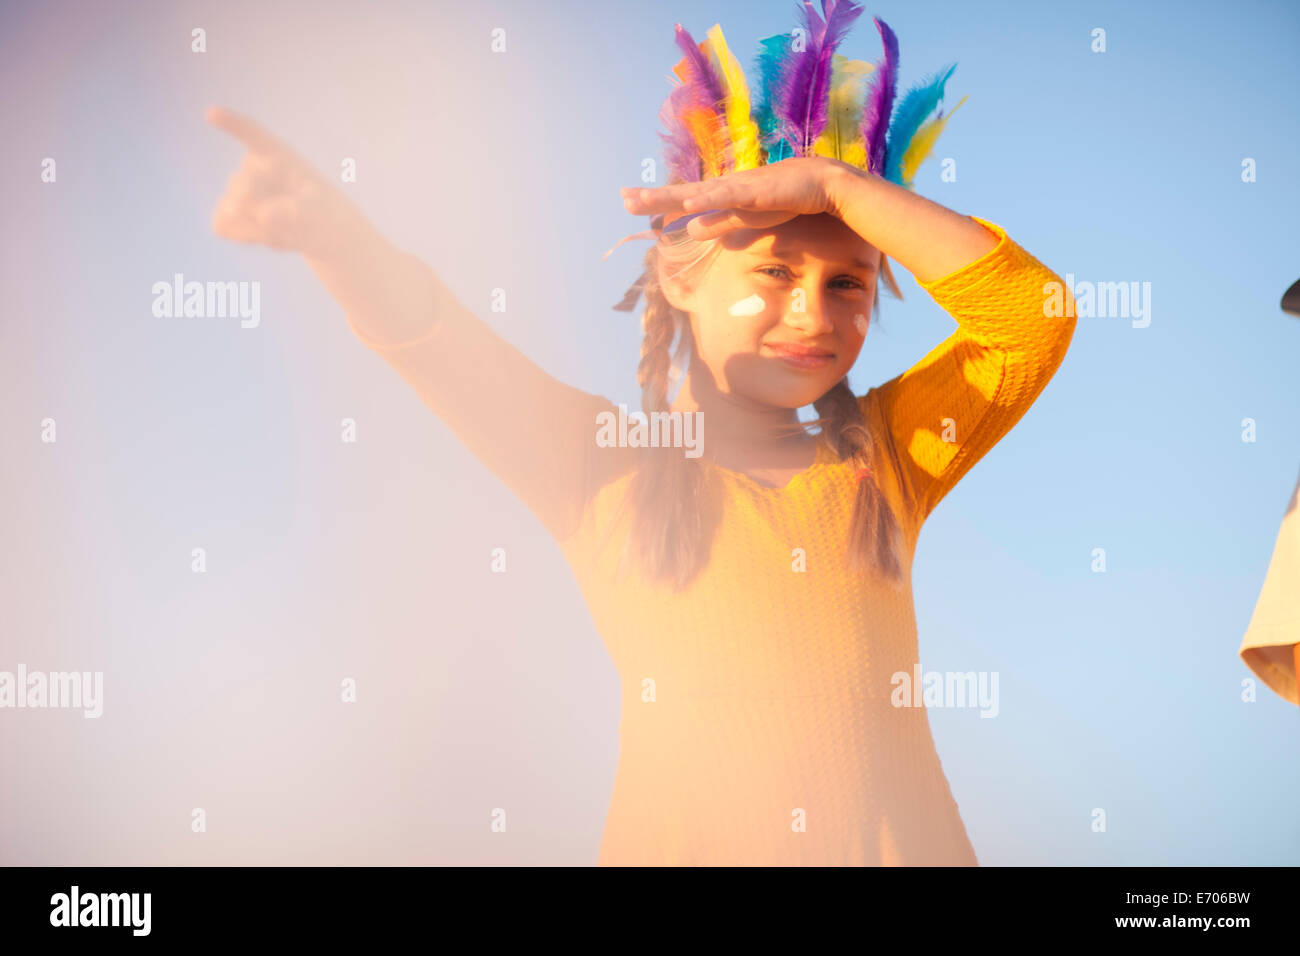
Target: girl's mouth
x=800 y=356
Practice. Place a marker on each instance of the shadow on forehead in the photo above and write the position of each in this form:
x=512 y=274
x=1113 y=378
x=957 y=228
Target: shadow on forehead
x=822 y=235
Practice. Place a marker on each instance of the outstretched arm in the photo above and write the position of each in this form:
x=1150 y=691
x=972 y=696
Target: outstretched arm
x=535 y=433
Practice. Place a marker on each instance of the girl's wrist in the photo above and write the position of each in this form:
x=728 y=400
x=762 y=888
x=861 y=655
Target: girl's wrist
x=385 y=293
x=840 y=183
x=350 y=238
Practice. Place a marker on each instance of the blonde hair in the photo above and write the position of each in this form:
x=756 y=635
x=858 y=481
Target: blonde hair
x=668 y=493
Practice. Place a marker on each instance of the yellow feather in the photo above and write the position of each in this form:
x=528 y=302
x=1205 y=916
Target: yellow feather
x=842 y=139
x=710 y=137
x=741 y=128
x=922 y=143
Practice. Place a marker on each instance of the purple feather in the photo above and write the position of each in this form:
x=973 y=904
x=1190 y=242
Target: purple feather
x=839 y=18
x=803 y=87
x=680 y=152
x=880 y=101
x=816 y=25
x=700 y=74
x=790 y=100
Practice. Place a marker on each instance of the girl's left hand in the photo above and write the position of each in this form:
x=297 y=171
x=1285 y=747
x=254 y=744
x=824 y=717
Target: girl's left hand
x=750 y=199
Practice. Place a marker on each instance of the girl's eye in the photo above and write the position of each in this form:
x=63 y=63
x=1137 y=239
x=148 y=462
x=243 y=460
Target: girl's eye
x=844 y=282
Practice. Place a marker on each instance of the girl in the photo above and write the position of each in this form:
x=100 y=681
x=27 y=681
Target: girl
x=756 y=599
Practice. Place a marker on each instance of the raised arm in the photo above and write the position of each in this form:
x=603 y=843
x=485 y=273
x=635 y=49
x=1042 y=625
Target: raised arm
x=535 y=433
x=949 y=409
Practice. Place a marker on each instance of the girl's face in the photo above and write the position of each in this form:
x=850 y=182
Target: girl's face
x=780 y=314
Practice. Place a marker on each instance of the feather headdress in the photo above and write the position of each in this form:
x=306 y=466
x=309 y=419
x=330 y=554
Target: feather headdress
x=809 y=101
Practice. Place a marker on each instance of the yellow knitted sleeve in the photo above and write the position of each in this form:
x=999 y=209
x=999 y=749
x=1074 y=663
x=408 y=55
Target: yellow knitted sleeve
x=950 y=408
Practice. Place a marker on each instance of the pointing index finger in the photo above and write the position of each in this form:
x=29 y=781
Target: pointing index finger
x=249 y=132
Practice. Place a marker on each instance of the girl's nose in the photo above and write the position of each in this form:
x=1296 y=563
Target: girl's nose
x=808 y=314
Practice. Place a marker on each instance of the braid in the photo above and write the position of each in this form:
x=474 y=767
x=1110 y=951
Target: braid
x=658 y=327
x=666 y=491
x=873 y=530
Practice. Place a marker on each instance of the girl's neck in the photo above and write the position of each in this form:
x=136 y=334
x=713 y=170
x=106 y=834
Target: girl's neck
x=741 y=433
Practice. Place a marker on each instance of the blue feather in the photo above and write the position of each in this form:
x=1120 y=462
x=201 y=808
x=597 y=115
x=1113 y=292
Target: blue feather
x=918 y=104
x=768 y=64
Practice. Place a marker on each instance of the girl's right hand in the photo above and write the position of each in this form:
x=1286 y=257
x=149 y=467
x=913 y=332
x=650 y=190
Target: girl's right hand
x=278 y=199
